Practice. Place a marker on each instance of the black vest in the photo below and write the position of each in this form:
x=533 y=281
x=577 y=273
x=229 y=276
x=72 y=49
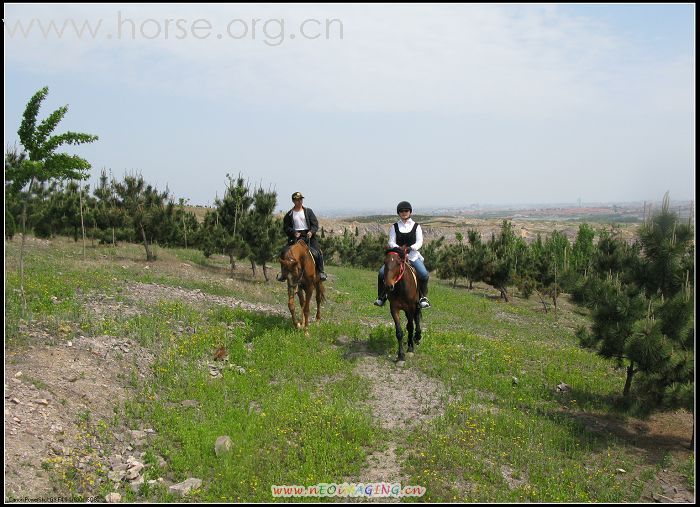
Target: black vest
x=405 y=238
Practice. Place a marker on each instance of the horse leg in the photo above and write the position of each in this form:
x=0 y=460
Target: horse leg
x=410 y=317
x=399 y=332
x=319 y=295
x=309 y=294
x=300 y=294
x=418 y=335
x=290 y=293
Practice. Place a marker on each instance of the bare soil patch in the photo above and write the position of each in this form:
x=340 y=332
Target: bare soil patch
x=55 y=398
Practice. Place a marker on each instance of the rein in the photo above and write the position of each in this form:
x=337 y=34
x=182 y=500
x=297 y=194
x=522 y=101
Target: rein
x=403 y=267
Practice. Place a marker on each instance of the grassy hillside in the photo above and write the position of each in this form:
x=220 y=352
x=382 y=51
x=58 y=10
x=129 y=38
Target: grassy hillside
x=474 y=416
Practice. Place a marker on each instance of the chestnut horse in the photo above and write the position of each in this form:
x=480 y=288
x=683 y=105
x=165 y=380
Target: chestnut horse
x=402 y=291
x=300 y=267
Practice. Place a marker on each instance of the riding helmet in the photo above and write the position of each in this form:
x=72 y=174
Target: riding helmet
x=404 y=205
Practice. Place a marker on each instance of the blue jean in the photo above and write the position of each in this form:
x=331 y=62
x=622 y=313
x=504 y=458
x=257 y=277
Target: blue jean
x=420 y=270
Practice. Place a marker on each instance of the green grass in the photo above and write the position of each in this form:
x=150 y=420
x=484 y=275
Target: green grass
x=297 y=413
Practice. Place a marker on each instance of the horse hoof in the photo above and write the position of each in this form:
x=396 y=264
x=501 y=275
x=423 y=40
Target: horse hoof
x=298 y=326
x=306 y=333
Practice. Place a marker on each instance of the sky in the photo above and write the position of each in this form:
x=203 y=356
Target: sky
x=362 y=106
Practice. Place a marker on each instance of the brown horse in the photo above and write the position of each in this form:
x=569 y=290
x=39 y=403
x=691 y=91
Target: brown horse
x=300 y=268
x=402 y=291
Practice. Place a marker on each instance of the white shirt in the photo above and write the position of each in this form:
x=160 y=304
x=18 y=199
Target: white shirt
x=405 y=227
x=299 y=220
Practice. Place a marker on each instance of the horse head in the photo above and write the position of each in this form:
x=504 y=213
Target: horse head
x=293 y=260
x=394 y=267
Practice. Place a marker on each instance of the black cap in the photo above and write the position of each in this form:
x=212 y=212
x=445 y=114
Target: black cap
x=404 y=205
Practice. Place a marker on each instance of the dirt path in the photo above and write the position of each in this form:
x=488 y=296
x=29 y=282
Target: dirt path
x=150 y=294
x=402 y=399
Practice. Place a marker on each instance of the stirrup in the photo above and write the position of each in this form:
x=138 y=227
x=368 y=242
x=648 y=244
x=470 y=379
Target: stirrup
x=323 y=276
x=424 y=303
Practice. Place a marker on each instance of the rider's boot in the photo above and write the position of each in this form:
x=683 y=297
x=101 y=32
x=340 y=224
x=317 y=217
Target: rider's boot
x=321 y=273
x=381 y=292
x=423 y=287
x=281 y=277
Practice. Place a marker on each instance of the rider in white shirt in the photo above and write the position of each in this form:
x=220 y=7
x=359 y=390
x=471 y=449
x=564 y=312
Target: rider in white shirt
x=408 y=233
x=301 y=221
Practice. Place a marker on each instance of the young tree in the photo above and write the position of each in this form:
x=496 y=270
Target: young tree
x=145 y=208
x=263 y=232
x=43 y=163
x=329 y=245
x=582 y=250
x=475 y=257
x=230 y=220
x=108 y=215
x=370 y=250
x=187 y=223
x=210 y=235
x=500 y=260
x=452 y=260
x=347 y=249
x=431 y=251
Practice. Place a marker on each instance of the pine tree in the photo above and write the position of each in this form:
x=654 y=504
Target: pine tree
x=108 y=215
x=263 y=232
x=643 y=314
x=663 y=344
x=500 y=260
x=582 y=250
x=144 y=206
x=231 y=221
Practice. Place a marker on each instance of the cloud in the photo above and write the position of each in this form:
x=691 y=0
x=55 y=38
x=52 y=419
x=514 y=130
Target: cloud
x=444 y=59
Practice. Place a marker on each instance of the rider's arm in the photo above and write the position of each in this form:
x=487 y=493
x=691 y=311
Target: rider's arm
x=392 y=238
x=312 y=221
x=419 y=239
x=289 y=225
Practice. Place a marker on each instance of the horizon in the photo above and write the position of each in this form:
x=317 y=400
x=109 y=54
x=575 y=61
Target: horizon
x=491 y=207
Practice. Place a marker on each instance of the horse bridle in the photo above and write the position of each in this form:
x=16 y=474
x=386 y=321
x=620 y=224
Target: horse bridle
x=402 y=264
x=403 y=260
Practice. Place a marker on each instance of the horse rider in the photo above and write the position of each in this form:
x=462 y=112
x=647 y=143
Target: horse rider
x=301 y=222
x=406 y=233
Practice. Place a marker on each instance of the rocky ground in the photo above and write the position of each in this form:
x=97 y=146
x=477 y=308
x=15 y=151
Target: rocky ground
x=60 y=398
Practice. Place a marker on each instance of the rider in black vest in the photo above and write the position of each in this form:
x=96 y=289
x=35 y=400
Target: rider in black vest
x=407 y=233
